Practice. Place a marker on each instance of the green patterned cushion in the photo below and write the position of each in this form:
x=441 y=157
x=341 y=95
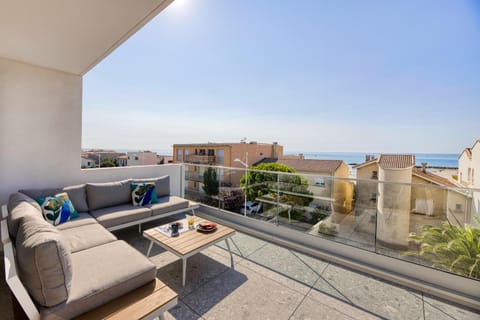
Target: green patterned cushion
x=143 y=193
x=57 y=209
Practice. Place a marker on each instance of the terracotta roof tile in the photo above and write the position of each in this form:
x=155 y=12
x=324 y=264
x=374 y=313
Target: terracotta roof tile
x=310 y=165
x=433 y=178
x=396 y=161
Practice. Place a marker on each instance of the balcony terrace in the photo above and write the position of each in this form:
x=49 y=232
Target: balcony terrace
x=329 y=259
x=274 y=282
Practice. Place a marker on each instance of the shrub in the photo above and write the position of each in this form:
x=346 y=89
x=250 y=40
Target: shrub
x=454 y=248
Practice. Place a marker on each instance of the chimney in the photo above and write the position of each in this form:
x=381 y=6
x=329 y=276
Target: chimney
x=367 y=158
x=424 y=167
x=274 y=150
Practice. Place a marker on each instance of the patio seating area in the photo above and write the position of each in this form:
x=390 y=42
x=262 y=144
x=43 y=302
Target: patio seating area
x=272 y=282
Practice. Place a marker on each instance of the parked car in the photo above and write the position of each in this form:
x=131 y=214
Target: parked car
x=252 y=207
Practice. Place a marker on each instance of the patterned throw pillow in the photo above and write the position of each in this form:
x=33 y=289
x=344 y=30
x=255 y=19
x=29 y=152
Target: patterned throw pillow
x=143 y=193
x=57 y=209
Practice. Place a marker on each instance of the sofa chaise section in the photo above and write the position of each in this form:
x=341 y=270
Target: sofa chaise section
x=86 y=237
x=101 y=274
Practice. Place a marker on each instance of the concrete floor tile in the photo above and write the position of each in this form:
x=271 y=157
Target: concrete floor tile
x=342 y=306
x=376 y=296
x=288 y=263
x=242 y=244
x=323 y=287
x=442 y=310
x=310 y=309
x=275 y=276
x=200 y=269
x=243 y=294
x=181 y=312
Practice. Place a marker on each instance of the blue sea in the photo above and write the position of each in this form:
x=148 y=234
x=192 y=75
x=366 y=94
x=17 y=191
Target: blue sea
x=449 y=160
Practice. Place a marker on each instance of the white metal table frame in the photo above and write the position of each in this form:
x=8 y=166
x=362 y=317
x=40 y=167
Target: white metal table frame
x=184 y=257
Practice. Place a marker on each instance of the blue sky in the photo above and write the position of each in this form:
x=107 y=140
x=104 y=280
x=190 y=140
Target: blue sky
x=352 y=76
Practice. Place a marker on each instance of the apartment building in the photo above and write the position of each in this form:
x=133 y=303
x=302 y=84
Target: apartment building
x=222 y=154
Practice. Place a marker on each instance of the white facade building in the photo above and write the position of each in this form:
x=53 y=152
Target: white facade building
x=88 y=163
x=469 y=174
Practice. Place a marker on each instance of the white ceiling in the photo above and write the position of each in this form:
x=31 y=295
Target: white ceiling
x=70 y=35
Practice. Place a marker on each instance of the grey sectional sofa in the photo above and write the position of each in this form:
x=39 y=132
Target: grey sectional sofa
x=79 y=265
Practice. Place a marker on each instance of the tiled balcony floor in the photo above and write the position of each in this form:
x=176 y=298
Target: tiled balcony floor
x=272 y=282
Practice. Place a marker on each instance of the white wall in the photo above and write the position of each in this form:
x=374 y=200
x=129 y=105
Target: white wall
x=464 y=163
x=40 y=126
x=393 y=206
x=40 y=133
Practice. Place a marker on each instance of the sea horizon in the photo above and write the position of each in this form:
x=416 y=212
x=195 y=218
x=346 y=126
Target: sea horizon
x=447 y=160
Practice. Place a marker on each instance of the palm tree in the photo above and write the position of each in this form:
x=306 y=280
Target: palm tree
x=454 y=248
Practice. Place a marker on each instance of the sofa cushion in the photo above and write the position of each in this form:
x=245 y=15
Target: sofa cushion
x=20 y=205
x=78 y=196
x=162 y=184
x=104 y=195
x=44 y=261
x=40 y=193
x=86 y=236
x=143 y=193
x=101 y=274
x=113 y=216
x=57 y=209
x=168 y=204
x=83 y=219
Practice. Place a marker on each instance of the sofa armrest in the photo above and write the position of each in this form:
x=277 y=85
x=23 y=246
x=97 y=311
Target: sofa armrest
x=15 y=285
x=4 y=211
x=4 y=231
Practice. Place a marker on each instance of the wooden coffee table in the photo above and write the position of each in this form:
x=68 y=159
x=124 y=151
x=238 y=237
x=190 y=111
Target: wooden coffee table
x=189 y=242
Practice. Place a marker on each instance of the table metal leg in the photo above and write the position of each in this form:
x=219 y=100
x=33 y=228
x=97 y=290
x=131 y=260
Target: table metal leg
x=184 y=270
x=229 y=250
x=149 y=248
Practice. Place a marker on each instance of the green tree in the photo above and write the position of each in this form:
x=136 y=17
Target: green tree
x=262 y=183
x=107 y=162
x=455 y=248
x=210 y=182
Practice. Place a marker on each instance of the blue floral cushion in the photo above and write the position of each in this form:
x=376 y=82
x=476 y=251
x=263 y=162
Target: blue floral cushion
x=143 y=193
x=57 y=209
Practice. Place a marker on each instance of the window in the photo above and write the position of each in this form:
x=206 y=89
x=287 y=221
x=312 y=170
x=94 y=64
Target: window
x=469 y=174
x=211 y=152
x=320 y=182
x=136 y=158
x=201 y=152
x=473 y=176
x=220 y=156
x=374 y=174
x=373 y=197
x=185 y=154
x=179 y=154
x=458 y=207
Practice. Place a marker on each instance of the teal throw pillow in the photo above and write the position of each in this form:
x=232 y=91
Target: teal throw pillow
x=57 y=209
x=143 y=193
